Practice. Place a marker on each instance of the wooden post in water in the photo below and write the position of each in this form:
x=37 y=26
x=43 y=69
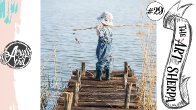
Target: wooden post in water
x=125 y=73
x=128 y=95
x=83 y=68
x=131 y=72
x=68 y=100
x=76 y=94
x=125 y=66
x=125 y=80
x=78 y=75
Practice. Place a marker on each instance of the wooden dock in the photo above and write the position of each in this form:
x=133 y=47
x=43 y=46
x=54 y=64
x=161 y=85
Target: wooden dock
x=84 y=93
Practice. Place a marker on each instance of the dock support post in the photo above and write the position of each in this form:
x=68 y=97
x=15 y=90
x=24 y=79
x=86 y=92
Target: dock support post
x=78 y=75
x=125 y=66
x=131 y=72
x=125 y=80
x=76 y=94
x=83 y=68
x=125 y=73
x=128 y=95
x=68 y=100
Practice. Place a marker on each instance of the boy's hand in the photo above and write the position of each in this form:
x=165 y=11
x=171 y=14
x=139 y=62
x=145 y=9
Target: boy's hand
x=98 y=27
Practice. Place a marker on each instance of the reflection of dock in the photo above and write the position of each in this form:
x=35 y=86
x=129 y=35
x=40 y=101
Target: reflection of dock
x=84 y=93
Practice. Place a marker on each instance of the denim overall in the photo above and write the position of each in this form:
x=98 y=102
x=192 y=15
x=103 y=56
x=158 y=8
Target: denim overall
x=103 y=53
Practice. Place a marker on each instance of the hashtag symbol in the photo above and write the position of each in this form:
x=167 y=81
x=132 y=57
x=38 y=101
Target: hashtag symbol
x=150 y=11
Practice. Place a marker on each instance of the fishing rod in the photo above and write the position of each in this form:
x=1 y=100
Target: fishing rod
x=124 y=25
x=148 y=25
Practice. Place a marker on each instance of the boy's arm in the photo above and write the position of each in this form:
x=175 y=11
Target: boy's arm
x=98 y=28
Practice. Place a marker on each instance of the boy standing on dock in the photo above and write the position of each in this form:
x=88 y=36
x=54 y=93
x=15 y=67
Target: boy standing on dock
x=103 y=51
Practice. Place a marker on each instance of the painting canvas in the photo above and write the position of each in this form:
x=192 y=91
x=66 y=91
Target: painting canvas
x=69 y=38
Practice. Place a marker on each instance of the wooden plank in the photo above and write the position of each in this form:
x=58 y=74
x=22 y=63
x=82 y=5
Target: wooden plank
x=97 y=108
x=59 y=107
x=102 y=89
x=83 y=89
x=101 y=93
x=132 y=79
x=119 y=73
x=102 y=96
x=61 y=100
x=111 y=82
x=101 y=86
x=104 y=100
x=106 y=104
x=70 y=89
x=105 y=90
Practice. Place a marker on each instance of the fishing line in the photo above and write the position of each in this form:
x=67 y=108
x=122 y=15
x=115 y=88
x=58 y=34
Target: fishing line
x=76 y=39
x=75 y=31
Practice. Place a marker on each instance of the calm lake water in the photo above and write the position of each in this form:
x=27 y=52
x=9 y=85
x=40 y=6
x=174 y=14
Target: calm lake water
x=60 y=17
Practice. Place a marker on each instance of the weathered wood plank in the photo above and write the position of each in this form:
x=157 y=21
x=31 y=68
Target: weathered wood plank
x=105 y=96
x=102 y=93
x=98 y=84
x=92 y=98
x=101 y=86
x=104 y=90
x=97 y=108
x=59 y=107
x=105 y=100
x=118 y=73
x=106 y=104
x=134 y=78
x=70 y=89
x=111 y=82
x=99 y=97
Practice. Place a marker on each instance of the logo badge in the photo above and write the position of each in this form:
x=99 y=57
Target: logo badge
x=155 y=11
x=16 y=55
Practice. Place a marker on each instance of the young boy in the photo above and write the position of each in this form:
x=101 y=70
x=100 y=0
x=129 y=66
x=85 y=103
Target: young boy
x=103 y=51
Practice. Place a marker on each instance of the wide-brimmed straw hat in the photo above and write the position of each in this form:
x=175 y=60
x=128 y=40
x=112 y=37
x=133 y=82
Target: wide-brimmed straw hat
x=106 y=18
